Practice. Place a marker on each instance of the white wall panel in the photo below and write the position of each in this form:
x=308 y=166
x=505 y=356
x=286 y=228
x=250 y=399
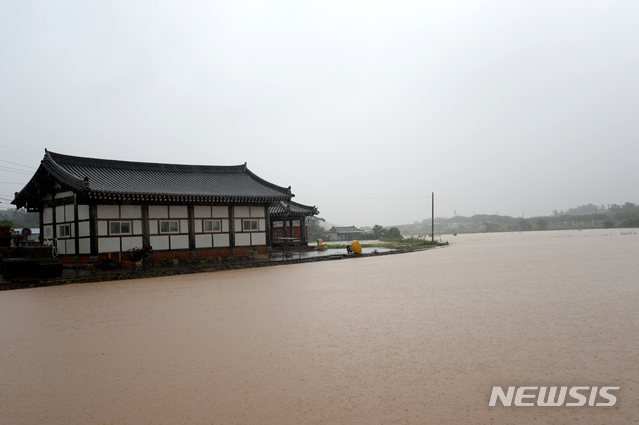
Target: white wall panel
x=202 y=211
x=158 y=211
x=179 y=242
x=130 y=211
x=257 y=212
x=69 y=213
x=242 y=212
x=48 y=232
x=108 y=245
x=159 y=242
x=153 y=227
x=258 y=238
x=262 y=223
x=220 y=212
x=103 y=228
x=59 y=214
x=85 y=246
x=203 y=241
x=137 y=227
x=47 y=216
x=198 y=226
x=62 y=247
x=238 y=225
x=83 y=212
x=184 y=226
x=63 y=195
x=242 y=239
x=108 y=211
x=70 y=243
x=225 y=225
x=131 y=242
x=84 y=229
x=178 y=211
x=221 y=240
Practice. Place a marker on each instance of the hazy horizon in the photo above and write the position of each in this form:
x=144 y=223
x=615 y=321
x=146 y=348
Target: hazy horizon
x=365 y=109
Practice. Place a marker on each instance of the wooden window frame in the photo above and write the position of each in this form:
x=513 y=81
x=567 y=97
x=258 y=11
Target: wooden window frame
x=120 y=221
x=160 y=232
x=244 y=220
x=211 y=220
x=58 y=231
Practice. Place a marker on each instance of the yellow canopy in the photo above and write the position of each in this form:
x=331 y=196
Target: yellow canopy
x=356 y=247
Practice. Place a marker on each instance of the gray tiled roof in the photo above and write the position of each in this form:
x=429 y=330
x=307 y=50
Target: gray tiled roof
x=123 y=178
x=291 y=209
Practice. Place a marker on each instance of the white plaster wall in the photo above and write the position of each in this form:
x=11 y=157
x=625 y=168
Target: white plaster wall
x=62 y=247
x=63 y=195
x=137 y=227
x=257 y=212
x=178 y=211
x=202 y=211
x=262 y=224
x=225 y=225
x=242 y=239
x=238 y=225
x=158 y=211
x=59 y=214
x=70 y=243
x=69 y=212
x=103 y=228
x=108 y=211
x=184 y=226
x=85 y=246
x=131 y=242
x=198 y=226
x=153 y=227
x=258 y=238
x=47 y=216
x=159 y=242
x=83 y=212
x=84 y=229
x=47 y=232
x=108 y=245
x=220 y=212
x=179 y=242
x=203 y=241
x=221 y=240
x=130 y=211
x=242 y=212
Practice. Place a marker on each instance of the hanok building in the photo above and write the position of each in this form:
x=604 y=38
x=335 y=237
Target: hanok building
x=93 y=207
x=342 y=233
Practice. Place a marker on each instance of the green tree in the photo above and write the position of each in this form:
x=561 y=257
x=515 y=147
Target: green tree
x=315 y=229
x=525 y=226
x=491 y=227
x=542 y=224
x=377 y=231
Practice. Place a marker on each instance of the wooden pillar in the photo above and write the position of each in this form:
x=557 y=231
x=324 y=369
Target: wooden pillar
x=146 y=232
x=232 y=228
x=77 y=228
x=41 y=236
x=191 y=215
x=303 y=240
x=55 y=221
x=93 y=231
x=284 y=228
x=269 y=232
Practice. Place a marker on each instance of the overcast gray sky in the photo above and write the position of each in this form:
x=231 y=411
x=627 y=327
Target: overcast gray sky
x=363 y=107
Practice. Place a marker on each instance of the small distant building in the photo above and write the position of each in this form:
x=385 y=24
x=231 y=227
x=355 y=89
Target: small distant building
x=342 y=233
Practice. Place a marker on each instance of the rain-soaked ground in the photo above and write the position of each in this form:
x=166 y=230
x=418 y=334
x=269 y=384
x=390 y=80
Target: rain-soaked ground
x=416 y=338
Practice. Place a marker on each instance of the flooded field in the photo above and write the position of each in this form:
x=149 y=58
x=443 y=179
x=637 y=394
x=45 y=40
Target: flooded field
x=403 y=339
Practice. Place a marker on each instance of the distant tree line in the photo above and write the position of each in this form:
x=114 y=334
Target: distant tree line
x=19 y=218
x=583 y=217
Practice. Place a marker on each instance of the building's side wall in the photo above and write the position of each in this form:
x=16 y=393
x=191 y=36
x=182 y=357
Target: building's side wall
x=211 y=226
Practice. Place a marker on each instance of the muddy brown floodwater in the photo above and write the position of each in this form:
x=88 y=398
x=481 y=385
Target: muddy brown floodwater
x=416 y=338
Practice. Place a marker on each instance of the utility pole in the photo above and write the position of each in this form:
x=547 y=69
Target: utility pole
x=432 y=220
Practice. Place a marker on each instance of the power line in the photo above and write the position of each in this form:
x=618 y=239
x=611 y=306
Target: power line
x=14 y=170
x=364 y=197
x=17 y=150
x=12 y=183
x=15 y=163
